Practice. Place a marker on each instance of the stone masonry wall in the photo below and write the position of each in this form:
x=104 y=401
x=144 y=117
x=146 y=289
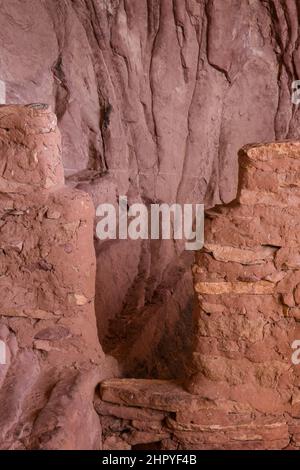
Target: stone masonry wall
x=47 y=289
x=247 y=280
x=243 y=390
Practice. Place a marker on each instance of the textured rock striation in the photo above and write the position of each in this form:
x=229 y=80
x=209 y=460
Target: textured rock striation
x=154 y=98
x=47 y=288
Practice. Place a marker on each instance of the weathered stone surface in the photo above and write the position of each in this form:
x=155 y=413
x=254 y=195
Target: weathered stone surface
x=229 y=253
x=53 y=334
x=154 y=394
x=139 y=437
x=295 y=412
x=255 y=288
x=278 y=154
x=126 y=412
x=148 y=426
x=115 y=443
x=287 y=258
x=69 y=420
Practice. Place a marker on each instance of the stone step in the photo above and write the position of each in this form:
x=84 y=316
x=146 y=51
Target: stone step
x=146 y=393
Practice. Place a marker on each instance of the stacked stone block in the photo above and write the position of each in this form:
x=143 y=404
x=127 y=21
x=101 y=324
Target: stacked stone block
x=247 y=284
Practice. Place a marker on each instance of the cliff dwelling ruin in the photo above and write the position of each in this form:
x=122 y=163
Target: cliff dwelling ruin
x=57 y=387
x=142 y=344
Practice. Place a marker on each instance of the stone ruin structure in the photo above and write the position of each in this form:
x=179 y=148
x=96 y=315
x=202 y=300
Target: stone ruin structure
x=59 y=391
x=47 y=288
x=244 y=387
x=247 y=282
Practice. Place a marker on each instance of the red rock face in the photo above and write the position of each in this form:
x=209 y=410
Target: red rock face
x=154 y=99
